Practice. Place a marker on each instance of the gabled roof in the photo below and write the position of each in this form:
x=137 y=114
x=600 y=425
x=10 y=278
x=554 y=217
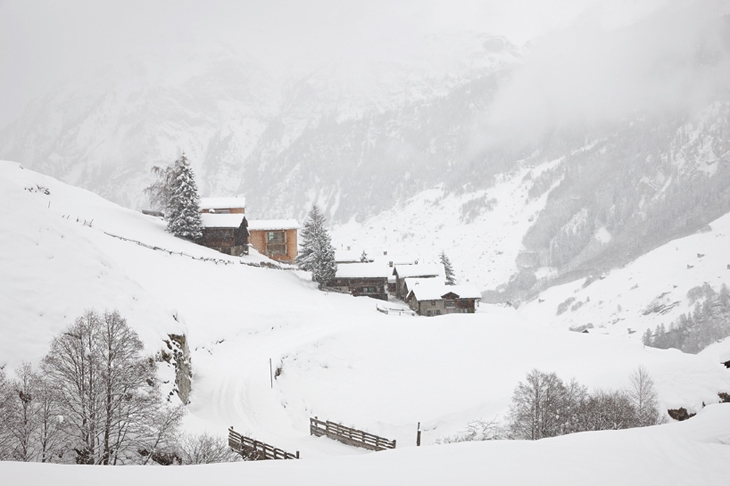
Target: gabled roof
x=272 y=224
x=362 y=270
x=234 y=202
x=430 y=289
x=420 y=270
x=213 y=220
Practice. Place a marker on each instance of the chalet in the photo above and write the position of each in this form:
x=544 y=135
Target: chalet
x=223 y=205
x=277 y=239
x=362 y=279
x=226 y=233
x=429 y=297
x=435 y=271
x=224 y=224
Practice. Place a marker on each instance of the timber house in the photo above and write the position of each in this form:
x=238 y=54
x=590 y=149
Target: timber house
x=362 y=279
x=402 y=272
x=224 y=224
x=276 y=238
x=429 y=297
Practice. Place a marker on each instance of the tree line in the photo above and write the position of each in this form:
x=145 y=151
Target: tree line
x=96 y=400
x=708 y=323
x=545 y=406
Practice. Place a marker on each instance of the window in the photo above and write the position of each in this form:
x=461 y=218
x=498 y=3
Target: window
x=275 y=243
x=450 y=304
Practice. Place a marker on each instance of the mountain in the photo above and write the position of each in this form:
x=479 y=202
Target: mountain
x=613 y=145
x=233 y=118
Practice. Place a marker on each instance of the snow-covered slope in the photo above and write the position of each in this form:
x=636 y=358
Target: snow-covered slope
x=649 y=291
x=338 y=358
x=693 y=452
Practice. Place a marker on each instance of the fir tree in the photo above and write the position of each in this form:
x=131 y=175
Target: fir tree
x=317 y=254
x=183 y=208
x=364 y=257
x=450 y=278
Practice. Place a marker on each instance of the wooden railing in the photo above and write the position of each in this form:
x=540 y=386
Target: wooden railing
x=348 y=435
x=254 y=450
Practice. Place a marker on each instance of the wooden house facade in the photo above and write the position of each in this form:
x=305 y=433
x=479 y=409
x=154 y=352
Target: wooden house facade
x=277 y=239
x=431 y=298
x=226 y=233
x=362 y=280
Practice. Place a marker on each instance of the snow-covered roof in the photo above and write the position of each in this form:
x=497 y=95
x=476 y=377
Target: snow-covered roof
x=432 y=289
x=213 y=220
x=233 y=202
x=362 y=270
x=272 y=224
x=420 y=270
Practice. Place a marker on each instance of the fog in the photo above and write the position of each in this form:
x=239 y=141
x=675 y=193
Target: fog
x=607 y=66
x=588 y=61
x=44 y=42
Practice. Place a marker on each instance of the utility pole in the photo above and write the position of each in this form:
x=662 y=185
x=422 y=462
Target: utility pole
x=418 y=435
x=271 y=374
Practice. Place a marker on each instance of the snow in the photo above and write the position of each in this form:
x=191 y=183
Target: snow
x=213 y=220
x=235 y=202
x=420 y=270
x=363 y=270
x=482 y=246
x=272 y=224
x=340 y=360
x=433 y=289
x=692 y=452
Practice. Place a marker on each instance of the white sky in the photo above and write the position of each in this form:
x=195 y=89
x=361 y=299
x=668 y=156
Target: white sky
x=44 y=41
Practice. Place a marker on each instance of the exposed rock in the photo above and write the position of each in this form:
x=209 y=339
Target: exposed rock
x=680 y=414
x=180 y=359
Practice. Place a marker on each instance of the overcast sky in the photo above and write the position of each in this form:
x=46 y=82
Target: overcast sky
x=45 y=41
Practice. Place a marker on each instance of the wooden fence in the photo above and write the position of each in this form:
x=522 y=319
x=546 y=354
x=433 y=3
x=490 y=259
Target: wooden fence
x=255 y=450
x=349 y=436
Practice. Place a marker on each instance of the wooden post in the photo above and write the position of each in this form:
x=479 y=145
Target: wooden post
x=271 y=374
x=418 y=435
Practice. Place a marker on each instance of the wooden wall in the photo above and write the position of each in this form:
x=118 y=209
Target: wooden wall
x=257 y=239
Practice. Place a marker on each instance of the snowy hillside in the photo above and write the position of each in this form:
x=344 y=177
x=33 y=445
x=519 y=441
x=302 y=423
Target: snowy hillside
x=652 y=290
x=338 y=357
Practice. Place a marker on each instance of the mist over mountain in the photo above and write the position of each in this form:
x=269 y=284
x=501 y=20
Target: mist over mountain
x=618 y=124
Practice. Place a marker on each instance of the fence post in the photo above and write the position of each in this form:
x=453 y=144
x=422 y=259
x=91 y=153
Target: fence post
x=271 y=374
x=418 y=435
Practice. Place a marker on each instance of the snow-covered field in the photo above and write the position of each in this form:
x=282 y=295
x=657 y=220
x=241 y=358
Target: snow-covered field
x=340 y=360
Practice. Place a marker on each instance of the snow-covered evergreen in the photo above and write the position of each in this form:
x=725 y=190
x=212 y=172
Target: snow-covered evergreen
x=317 y=254
x=448 y=268
x=183 y=208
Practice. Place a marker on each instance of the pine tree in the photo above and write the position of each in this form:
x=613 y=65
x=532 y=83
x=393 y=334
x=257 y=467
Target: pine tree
x=364 y=257
x=450 y=277
x=317 y=254
x=183 y=208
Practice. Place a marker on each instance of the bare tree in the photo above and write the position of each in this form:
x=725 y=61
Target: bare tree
x=107 y=390
x=22 y=413
x=476 y=430
x=5 y=435
x=539 y=407
x=206 y=449
x=643 y=396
